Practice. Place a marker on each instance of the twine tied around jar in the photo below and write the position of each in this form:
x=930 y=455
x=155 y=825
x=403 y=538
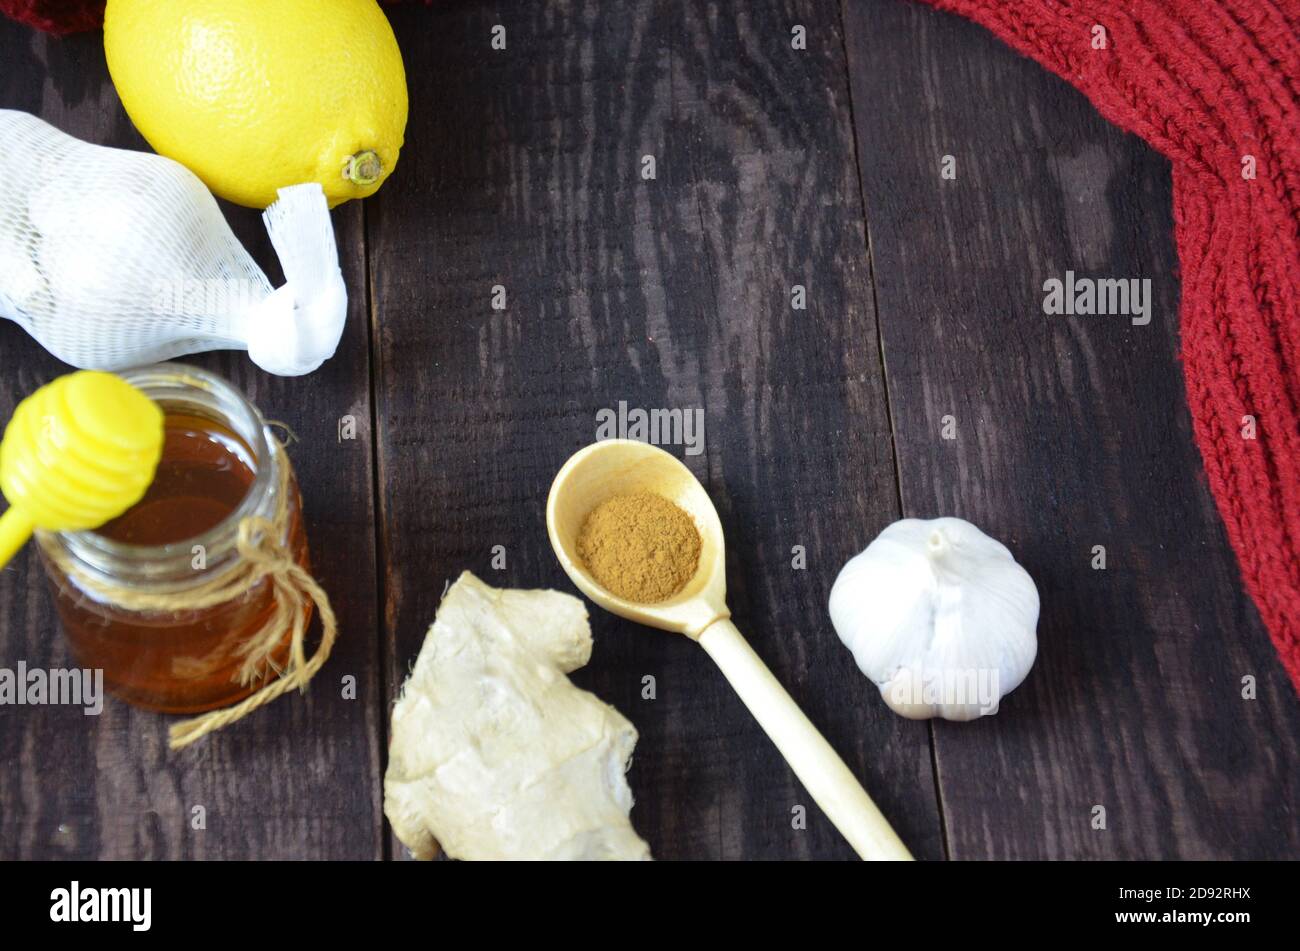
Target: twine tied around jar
x=264 y=556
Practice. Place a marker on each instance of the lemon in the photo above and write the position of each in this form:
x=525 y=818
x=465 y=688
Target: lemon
x=255 y=95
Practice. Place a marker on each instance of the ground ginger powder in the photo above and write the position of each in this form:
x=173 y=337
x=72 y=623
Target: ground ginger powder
x=640 y=546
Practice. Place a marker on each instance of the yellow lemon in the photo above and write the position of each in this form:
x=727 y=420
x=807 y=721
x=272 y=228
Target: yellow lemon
x=255 y=95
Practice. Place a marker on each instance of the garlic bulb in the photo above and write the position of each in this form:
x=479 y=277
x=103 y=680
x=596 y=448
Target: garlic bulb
x=939 y=616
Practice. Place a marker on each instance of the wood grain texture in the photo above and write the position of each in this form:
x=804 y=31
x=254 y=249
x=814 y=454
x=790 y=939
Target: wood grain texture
x=1071 y=432
x=299 y=779
x=666 y=293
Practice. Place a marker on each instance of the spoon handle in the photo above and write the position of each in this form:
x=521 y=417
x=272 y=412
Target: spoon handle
x=819 y=768
x=15 y=529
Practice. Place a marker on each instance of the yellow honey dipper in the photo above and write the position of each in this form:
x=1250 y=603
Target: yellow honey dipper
x=78 y=452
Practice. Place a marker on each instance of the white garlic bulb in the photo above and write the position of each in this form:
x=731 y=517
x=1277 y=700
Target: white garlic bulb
x=939 y=616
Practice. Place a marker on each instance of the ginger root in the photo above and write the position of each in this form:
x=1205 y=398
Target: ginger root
x=494 y=753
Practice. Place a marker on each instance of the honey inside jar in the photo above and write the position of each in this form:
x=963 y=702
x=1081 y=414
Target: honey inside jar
x=181 y=533
x=202 y=477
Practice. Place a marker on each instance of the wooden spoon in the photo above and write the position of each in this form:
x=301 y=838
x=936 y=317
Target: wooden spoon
x=618 y=466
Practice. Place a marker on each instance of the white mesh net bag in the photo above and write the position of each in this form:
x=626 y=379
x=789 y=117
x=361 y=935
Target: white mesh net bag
x=112 y=258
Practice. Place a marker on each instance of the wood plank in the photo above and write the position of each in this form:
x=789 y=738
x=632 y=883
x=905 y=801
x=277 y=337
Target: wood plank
x=523 y=170
x=1072 y=432
x=299 y=779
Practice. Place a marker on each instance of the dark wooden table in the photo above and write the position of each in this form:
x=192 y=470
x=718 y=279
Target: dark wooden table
x=774 y=167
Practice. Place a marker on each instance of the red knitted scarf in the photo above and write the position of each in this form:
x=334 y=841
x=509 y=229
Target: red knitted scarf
x=56 y=16
x=1209 y=83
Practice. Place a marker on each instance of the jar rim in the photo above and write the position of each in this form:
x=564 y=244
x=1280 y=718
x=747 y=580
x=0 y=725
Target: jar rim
x=208 y=393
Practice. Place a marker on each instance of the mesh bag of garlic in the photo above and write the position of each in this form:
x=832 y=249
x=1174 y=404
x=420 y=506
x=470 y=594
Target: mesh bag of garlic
x=112 y=258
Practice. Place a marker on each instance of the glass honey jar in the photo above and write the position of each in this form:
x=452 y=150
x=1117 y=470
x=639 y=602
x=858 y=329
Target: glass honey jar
x=221 y=468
